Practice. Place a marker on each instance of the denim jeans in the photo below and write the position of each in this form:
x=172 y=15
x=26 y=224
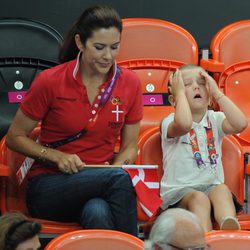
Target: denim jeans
x=97 y=198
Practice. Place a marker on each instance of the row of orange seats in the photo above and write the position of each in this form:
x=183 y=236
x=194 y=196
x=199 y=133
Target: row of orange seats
x=155 y=48
x=168 y=46
x=108 y=239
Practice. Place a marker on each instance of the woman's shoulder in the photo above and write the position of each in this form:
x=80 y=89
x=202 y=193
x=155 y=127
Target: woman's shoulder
x=57 y=70
x=54 y=75
x=51 y=78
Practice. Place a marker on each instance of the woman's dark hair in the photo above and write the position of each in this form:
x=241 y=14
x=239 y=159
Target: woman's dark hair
x=93 y=18
x=15 y=228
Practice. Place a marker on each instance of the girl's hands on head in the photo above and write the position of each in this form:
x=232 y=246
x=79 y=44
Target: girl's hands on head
x=176 y=83
x=213 y=88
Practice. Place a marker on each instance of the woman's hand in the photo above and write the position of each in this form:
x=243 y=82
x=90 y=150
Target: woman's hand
x=68 y=163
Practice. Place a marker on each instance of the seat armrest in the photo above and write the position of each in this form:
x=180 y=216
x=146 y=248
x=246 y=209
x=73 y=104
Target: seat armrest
x=212 y=65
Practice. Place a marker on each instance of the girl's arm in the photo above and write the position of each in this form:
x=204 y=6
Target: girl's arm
x=235 y=120
x=182 y=122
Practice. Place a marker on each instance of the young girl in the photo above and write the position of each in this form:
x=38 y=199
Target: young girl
x=191 y=140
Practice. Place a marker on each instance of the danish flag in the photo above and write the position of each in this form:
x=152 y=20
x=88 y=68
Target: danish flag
x=146 y=184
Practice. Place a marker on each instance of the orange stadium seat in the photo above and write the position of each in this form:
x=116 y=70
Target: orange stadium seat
x=229 y=45
x=21 y=59
x=234 y=82
x=231 y=59
x=228 y=240
x=152 y=38
x=154 y=48
x=232 y=157
x=95 y=240
x=154 y=74
x=12 y=195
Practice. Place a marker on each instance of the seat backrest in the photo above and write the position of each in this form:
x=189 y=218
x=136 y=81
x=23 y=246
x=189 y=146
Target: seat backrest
x=154 y=48
x=234 y=82
x=26 y=48
x=12 y=195
x=149 y=149
x=15 y=79
x=24 y=38
x=154 y=76
x=95 y=240
x=231 y=44
x=150 y=152
x=233 y=163
x=156 y=39
x=228 y=240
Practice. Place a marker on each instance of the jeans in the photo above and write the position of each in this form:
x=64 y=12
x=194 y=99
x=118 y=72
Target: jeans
x=97 y=198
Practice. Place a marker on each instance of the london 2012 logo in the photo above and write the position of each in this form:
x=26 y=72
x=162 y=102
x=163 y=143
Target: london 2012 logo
x=117 y=101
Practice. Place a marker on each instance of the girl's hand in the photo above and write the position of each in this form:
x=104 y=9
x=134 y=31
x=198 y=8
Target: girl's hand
x=213 y=88
x=176 y=83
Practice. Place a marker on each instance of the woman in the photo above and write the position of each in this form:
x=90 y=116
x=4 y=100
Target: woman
x=84 y=105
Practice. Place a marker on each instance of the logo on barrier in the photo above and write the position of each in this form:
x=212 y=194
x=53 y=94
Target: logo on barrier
x=16 y=96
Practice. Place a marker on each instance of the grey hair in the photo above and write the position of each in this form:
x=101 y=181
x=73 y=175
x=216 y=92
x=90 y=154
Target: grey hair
x=165 y=226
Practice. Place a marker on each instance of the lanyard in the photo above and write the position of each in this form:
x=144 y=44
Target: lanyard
x=105 y=97
x=210 y=146
x=92 y=122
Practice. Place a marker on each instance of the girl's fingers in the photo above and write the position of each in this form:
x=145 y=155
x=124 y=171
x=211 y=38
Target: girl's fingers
x=171 y=78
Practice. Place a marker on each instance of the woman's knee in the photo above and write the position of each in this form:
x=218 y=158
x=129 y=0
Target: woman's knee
x=97 y=207
x=96 y=213
x=119 y=172
x=121 y=178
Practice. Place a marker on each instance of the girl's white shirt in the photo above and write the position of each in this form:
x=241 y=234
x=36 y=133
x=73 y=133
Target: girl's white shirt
x=180 y=167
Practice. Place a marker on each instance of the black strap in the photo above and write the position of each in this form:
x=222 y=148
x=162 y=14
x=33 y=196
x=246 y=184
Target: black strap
x=69 y=139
